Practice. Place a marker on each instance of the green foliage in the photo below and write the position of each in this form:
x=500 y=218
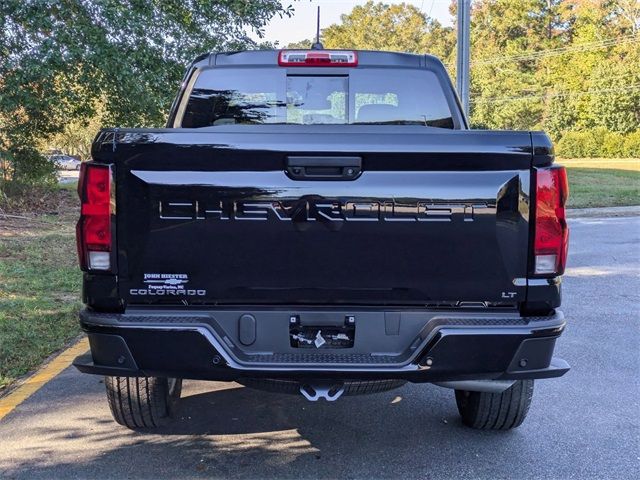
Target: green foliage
x=598 y=143
x=617 y=107
x=632 y=145
x=61 y=57
x=612 y=144
x=77 y=135
x=26 y=163
x=561 y=66
x=400 y=27
x=559 y=116
x=302 y=44
x=579 y=145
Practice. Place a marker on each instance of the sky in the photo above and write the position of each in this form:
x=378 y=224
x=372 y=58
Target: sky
x=303 y=23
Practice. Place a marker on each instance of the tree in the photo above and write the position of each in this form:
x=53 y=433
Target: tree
x=507 y=37
x=301 y=44
x=77 y=135
x=615 y=105
x=556 y=65
x=628 y=11
x=62 y=56
x=378 y=26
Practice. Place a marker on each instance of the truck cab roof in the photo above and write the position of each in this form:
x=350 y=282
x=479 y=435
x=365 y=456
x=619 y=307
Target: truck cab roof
x=366 y=58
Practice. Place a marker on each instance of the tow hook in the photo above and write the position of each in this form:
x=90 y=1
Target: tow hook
x=330 y=391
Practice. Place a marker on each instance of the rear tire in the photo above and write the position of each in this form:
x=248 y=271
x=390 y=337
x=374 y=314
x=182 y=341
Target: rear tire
x=142 y=402
x=495 y=411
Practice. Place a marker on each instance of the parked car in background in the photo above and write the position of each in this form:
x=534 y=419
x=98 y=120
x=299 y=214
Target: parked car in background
x=65 y=162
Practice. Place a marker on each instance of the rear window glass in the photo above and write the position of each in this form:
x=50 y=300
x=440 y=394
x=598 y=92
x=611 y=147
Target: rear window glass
x=376 y=96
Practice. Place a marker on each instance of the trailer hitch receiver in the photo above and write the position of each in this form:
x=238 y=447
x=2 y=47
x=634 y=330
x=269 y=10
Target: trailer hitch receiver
x=330 y=391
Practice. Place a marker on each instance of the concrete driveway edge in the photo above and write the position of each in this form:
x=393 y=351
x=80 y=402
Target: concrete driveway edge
x=606 y=212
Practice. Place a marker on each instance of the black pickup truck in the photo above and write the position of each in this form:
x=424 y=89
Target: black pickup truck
x=324 y=223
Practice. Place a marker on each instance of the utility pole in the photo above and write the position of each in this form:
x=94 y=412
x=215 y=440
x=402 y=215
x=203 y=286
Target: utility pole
x=462 y=70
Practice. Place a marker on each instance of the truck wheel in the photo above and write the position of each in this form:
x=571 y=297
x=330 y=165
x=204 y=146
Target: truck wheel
x=142 y=402
x=495 y=411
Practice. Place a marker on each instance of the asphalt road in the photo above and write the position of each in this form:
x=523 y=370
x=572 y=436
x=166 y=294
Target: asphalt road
x=584 y=425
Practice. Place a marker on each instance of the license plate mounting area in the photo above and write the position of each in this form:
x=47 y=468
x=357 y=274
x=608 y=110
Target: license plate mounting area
x=334 y=335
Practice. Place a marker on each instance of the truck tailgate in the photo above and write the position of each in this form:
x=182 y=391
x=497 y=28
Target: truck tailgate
x=213 y=216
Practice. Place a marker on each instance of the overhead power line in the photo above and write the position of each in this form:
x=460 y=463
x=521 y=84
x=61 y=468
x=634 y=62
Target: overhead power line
x=553 y=52
x=538 y=90
x=600 y=91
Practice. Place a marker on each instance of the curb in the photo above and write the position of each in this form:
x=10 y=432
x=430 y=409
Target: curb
x=604 y=212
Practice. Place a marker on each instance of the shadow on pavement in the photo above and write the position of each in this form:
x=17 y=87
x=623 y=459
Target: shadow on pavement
x=239 y=432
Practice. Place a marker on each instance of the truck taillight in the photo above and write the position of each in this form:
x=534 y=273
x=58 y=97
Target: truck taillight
x=317 y=58
x=93 y=231
x=551 y=230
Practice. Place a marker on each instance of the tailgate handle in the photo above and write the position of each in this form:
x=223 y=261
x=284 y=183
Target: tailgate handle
x=324 y=168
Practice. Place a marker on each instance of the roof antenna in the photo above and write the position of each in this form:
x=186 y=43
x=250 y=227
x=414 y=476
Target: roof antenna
x=317 y=45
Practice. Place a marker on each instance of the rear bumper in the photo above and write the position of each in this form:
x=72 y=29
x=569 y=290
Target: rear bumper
x=417 y=346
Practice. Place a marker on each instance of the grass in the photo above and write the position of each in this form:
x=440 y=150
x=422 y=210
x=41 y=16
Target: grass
x=39 y=287
x=603 y=182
